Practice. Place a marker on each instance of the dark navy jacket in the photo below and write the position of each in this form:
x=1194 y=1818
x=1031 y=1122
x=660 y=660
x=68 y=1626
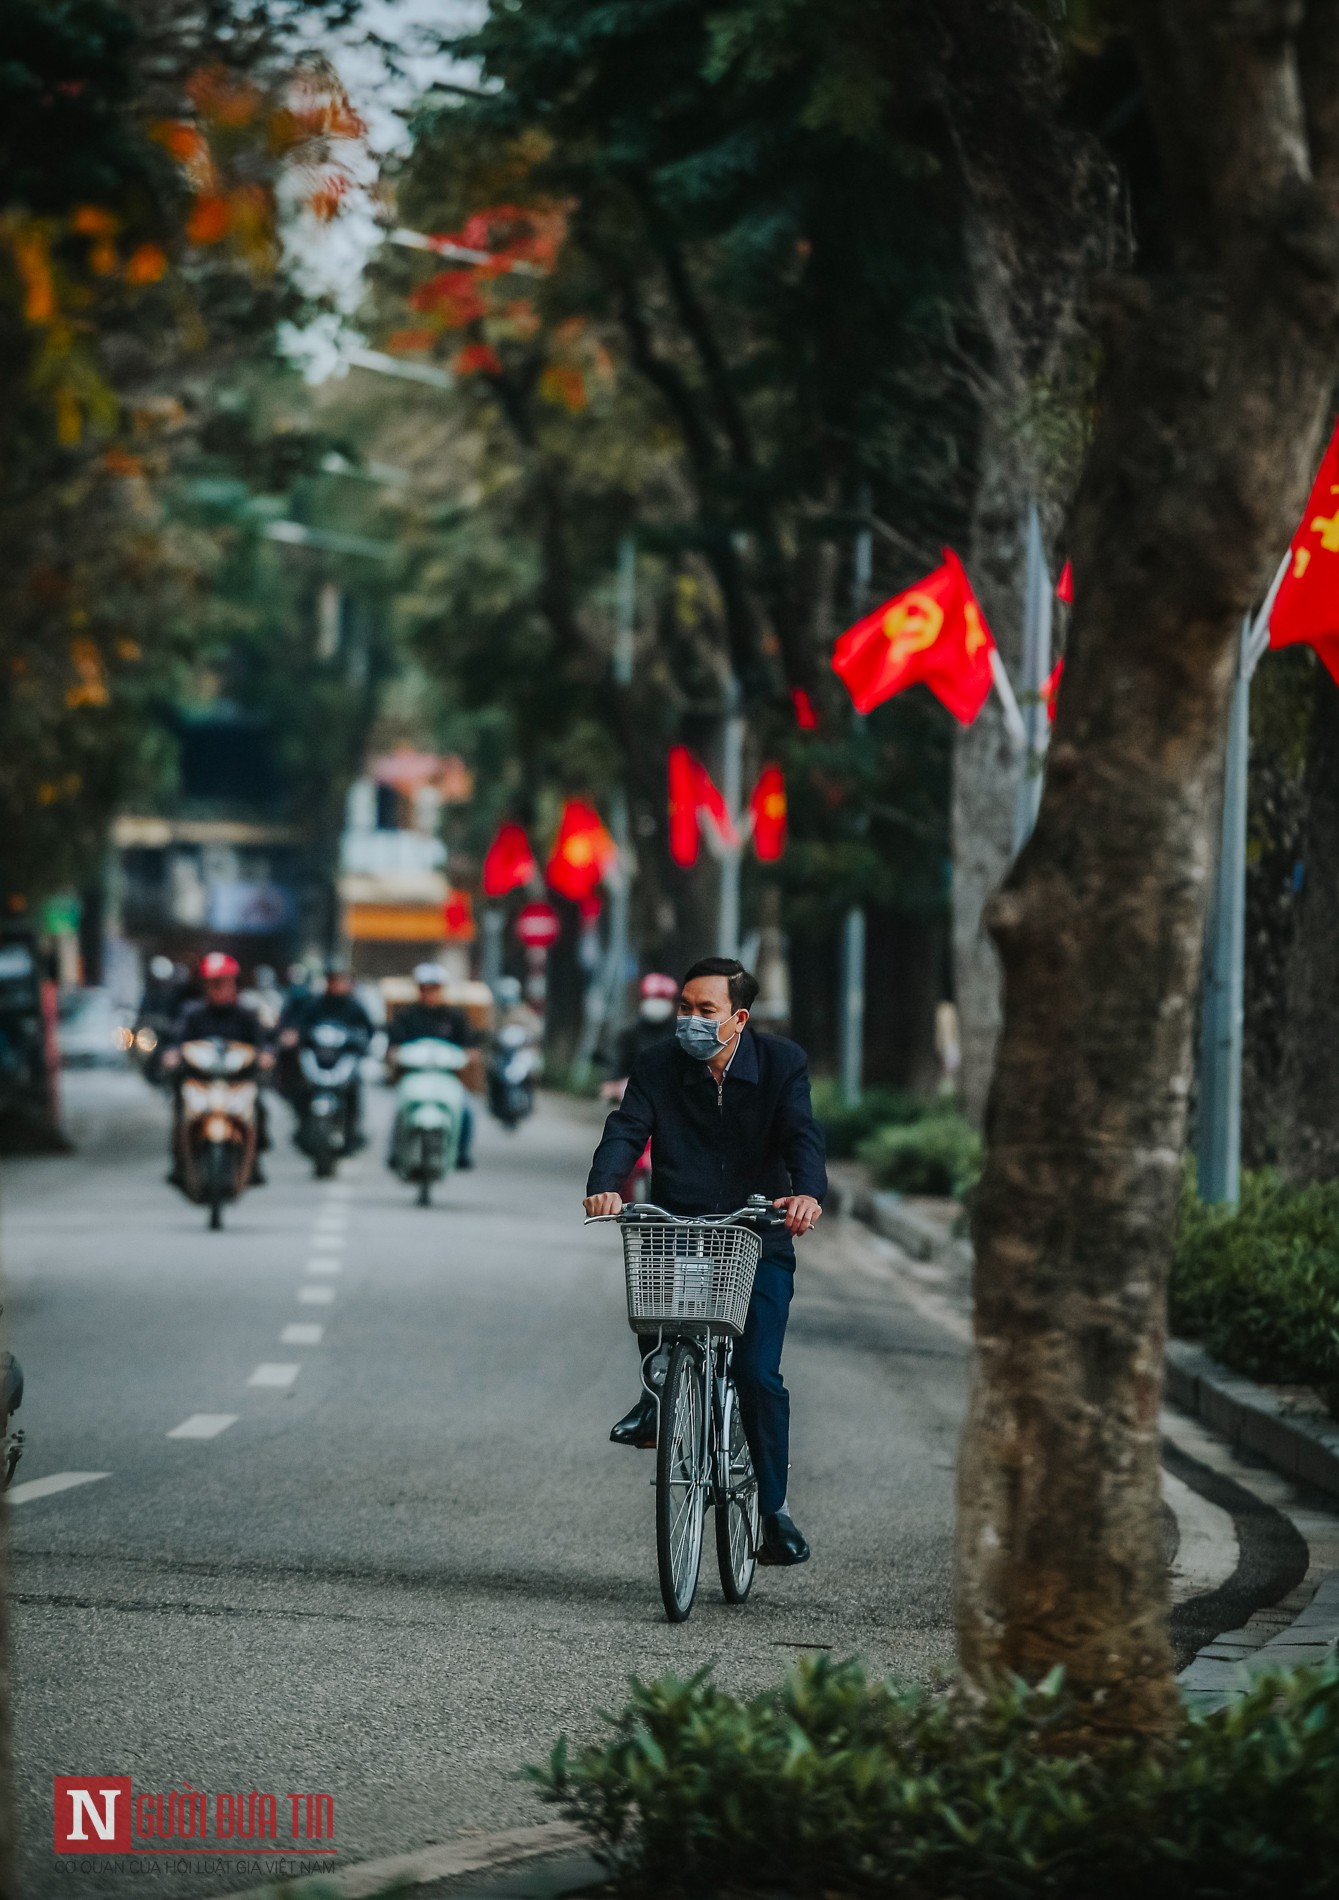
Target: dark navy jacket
x=708 y=1158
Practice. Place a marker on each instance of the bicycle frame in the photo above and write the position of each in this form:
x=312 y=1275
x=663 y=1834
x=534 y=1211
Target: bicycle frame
x=716 y=1414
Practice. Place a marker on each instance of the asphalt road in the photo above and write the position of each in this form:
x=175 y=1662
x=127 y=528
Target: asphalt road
x=401 y=1573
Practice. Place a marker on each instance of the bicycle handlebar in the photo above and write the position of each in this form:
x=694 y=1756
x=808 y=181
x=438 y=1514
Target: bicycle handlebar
x=765 y=1216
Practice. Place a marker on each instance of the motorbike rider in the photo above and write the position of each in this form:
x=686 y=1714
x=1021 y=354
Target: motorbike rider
x=513 y=1012
x=657 y=996
x=219 y=1013
x=432 y=1016
x=728 y=1114
x=336 y=1004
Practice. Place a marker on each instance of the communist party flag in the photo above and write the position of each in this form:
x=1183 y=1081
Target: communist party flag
x=768 y=807
x=509 y=862
x=692 y=793
x=582 y=852
x=932 y=634
x=1306 y=608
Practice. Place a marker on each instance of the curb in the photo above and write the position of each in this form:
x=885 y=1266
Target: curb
x=1249 y=1416
x=474 y=1854
x=889 y=1215
x=1253 y=1417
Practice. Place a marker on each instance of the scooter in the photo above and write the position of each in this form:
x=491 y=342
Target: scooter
x=328 y=1060
x=513 y=1062
x=11 y=1398
x=637 y=1188
x=429 y=1111
x=216 y=1132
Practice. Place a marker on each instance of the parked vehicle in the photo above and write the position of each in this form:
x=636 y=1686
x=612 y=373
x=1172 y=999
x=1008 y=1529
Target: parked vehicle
x=217 y=1122
x=326 y=1092
x=430 y=1108
x=11 y=1436
x=513 y=1063
x=91 y=1032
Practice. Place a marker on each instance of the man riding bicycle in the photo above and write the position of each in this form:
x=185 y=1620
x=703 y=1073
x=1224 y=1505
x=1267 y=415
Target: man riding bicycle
x=727 y=1112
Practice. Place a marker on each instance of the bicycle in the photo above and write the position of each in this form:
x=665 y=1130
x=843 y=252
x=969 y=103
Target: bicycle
x=691 y=1279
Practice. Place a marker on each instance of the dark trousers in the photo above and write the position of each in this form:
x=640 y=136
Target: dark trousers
x=764 y=1402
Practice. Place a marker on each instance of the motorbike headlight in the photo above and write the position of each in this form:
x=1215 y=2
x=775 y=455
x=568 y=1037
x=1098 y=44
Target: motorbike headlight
x=146 y=1041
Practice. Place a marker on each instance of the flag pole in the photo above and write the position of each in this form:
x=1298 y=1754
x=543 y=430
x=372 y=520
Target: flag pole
x=1036 y=666
x=1222 y=1013
x=851 y=1016
x=1013 y=718
x=732 y=790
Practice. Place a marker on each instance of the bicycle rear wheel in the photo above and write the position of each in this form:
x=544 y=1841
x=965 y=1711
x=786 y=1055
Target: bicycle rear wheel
x=681 y=1480
x=738 y=1524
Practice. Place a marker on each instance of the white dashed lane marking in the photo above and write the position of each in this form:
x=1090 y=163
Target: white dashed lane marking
x=316 y=1295
x=274 y=1375
x=301 y=1333
x=324 y=1263
x=204 y=1425
x=48 y=1487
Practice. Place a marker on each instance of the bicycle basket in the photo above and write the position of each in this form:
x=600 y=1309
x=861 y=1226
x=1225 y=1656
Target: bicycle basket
x=696 y=1278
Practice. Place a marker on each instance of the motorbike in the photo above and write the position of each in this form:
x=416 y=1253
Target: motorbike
x=429 y=1111
x=11 y=1436
x=513 y=1062
x=637 y=1188
x=217 y=1128
x=327 y=1081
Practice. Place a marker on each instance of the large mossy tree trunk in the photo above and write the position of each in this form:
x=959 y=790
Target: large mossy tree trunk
x=1211 y=414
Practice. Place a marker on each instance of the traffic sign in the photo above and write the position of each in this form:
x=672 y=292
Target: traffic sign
x=537 y=926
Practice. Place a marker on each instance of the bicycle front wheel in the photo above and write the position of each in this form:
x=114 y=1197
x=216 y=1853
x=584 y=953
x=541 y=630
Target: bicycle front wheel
x=738 y=1525
x=681 y=1479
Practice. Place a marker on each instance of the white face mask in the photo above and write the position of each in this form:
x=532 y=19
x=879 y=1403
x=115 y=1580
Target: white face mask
x=656 y=1009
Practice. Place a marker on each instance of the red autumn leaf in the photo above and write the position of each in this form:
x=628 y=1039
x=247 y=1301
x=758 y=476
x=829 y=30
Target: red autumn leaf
x=210 y=219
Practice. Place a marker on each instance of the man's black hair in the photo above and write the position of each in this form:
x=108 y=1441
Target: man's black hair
x=742 y=983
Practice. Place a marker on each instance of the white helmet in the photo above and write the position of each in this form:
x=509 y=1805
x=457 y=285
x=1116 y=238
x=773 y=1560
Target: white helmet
x=429 y=976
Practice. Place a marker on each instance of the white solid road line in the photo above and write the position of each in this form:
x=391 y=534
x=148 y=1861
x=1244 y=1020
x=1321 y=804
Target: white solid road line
x=1208 y=1551
x=274 y=1375
x=204 y=1425
x=48 y=1487
x=316 y=1295
x=324 y=1263
x=301 y=1333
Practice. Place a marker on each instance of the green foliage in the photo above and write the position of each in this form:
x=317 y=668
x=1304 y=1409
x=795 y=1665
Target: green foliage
x=845 y=1127
x=832 y=1784
x=940 y=1154
x=1260 y=1286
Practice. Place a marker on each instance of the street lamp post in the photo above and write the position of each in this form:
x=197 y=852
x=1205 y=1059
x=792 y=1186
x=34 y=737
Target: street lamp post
x=851 y=1016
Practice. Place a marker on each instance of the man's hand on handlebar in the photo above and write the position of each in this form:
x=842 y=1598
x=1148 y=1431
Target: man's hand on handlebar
x=598 y=1204
x=801 y=1212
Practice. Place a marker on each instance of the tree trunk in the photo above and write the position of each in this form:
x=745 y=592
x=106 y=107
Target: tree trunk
x=1209 y=425
x=1309 y=1086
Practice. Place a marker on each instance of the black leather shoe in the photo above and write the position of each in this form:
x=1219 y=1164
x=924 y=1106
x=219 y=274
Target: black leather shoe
x=782 y=1541
x=465 y=1162
x=638 y=1427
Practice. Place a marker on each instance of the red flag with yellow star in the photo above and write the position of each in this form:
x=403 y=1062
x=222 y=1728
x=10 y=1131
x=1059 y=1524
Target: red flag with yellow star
x=1306 y=608
x=767 y=805
x=582 y=852
x=932 y=634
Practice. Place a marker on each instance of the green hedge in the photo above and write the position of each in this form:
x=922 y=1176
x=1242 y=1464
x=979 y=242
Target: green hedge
x=835 y=1786
x=1260 y=1287
x=940 y=1155
x=846 y=1127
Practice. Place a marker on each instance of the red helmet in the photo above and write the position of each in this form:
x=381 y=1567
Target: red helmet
x=657 y=985
x=218 y=963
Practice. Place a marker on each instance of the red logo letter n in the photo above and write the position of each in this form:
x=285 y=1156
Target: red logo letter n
x=92 y=1814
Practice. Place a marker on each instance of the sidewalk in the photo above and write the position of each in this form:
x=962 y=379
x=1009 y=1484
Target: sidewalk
x=1223 y=1421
